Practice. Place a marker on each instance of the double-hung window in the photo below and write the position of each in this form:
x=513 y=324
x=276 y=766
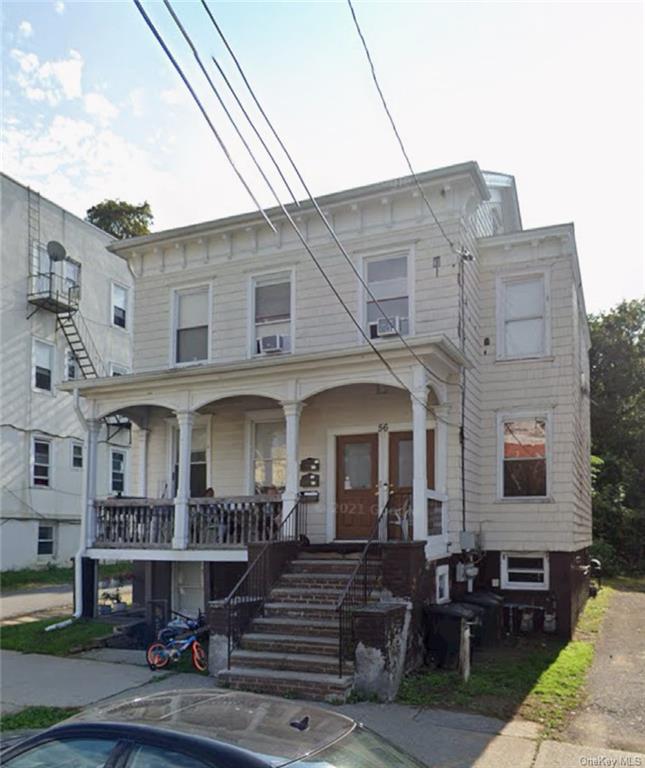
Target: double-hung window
x=525 y=570
x=269 y=457
x=43 y=362
x=41 y=473
x=522 y=317
x=192 y=324
x=387 y=279
x=524 y=448
x=117 y=471
x=77 y=455
x=119 y=306
x=272 y=313
x=72 y=368
x=45 y=539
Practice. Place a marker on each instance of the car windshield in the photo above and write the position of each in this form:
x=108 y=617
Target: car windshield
x=359 y=749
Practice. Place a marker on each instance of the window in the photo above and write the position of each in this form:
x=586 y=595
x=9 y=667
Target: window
x=43 y=365
x=524 y=457
x=118 y=370
x=270 y=457
x=198 y=463
x=522 y=303
x=41 y=463
x=117 y=471
x=525 y=570
x=72 y=368
x=387 y=279
x=272 y=313
x=443 y=584
x=119 y=305
x=80 y=753
x=155 y=757
x=191 y=325
x=45 y=539
x=77 y=455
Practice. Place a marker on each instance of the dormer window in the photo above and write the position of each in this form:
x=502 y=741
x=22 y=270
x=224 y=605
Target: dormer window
x=272 y=313
x=192 y=324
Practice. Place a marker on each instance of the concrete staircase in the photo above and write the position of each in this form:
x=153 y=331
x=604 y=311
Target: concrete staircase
x=292 y=650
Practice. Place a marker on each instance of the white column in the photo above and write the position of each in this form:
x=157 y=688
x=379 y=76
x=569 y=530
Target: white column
x=185 y=421
x=143 y=461
x=292 y=411
x=441 y=430
x=419 y=462
x=91 y=463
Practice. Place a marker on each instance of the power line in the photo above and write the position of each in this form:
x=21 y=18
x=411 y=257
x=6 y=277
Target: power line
x=161 y=42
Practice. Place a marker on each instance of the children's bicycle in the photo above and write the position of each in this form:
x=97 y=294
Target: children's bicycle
x=169 y=645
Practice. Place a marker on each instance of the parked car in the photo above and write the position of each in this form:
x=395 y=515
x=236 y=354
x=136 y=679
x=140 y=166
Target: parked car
x=207 y=729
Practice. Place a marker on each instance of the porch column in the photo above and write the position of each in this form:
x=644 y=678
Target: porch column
x=292 y=411
x=144 y=433
x=441 y=429
x=185 y=421
x=91 y=463
x=419 y=463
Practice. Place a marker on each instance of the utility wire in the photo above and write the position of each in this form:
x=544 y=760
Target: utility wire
x=168 y=53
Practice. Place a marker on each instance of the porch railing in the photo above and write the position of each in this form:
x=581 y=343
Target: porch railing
x=145 y=523
x=233 y=521
x=246 y=599
x=356 y=592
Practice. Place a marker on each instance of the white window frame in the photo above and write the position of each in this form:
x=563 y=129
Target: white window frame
x=54 y=528
x=252 y=418
x=519 y=277
x=69 y=357
x=175 y=293
x=115 y=284
x=547 y=417
x=524 y=585
x=125 y=471
x=202 y=420
x=112 y=367
x=442 y=571
x=382 y=255
x=287 y=272
x=52 y=389
x=77 y=444
x=32 y=464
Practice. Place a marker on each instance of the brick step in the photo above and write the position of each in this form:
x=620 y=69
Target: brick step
x=290 y=662
x=331 y=565
x=307 y=595
x=319 y=580
x=301 y=610
x=312 y=554
x=284 y=643
x=297 y=626
x=315 y=687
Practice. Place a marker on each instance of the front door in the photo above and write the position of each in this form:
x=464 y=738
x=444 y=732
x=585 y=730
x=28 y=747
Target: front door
x=356 y=485
x=401 y=474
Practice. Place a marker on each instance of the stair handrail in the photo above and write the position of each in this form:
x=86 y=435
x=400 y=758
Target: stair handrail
x=349 y=591
x=93 y=352
x=288 y=530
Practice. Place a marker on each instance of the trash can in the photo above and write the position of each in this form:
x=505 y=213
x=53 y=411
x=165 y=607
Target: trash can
x=442 y=639
x=491 y=630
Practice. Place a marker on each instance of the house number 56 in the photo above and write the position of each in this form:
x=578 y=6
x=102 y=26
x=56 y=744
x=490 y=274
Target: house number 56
x=383 y=427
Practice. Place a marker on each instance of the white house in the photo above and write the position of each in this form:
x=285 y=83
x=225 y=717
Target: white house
x=250 y=380
x=43 y=442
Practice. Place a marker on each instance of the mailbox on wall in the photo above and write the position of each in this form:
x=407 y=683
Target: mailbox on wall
x=310 y=465
x=310 y=480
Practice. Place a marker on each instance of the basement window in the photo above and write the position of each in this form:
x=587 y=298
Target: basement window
x=45 y=539
x=525 y=570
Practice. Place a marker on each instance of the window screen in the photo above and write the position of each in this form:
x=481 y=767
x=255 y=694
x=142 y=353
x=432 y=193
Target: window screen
x=524 y=310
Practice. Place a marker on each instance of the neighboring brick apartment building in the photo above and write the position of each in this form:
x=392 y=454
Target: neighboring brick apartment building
x=43 y=451
x=250 y=381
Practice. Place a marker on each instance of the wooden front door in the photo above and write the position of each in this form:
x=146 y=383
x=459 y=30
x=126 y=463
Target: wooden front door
x=356 y=485
x=400 y=476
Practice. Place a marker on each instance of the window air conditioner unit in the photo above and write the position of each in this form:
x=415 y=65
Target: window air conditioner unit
x=271 y=344
x=385 y=327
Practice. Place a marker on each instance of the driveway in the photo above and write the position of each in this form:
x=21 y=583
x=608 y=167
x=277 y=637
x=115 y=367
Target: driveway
x=614 y=713
x=20 y=603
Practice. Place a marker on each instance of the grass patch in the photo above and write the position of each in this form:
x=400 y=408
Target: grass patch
x=54 y=575
x=539 y=678
x=32 y=638
x=35 y=717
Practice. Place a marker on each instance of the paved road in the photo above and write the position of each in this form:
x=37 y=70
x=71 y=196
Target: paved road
x=13 y=604
x=614 y=714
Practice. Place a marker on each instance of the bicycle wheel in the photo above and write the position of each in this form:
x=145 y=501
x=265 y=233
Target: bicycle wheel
x=157 y=656
x=200 y=660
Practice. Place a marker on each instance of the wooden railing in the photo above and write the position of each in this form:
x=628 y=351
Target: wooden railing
x=140 y=523
x=235 y=521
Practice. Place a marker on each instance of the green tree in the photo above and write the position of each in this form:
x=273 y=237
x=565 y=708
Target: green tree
x=121 y=219
x=618 y=431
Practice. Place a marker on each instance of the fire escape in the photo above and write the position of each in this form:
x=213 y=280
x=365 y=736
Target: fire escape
x=55 y=286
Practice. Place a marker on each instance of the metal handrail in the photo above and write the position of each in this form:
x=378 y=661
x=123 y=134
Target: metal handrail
x=256 y=571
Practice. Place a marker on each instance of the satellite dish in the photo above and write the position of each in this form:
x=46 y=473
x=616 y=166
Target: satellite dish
x=56 y=251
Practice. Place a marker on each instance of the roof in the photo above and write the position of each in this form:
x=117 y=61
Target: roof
x=248 y=721
x=469 y=168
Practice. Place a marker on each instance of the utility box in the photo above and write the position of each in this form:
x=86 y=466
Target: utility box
x=468 y=540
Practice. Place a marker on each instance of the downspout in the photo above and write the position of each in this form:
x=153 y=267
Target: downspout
x=78 y=571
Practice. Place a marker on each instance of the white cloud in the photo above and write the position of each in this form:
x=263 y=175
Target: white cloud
x=136 y=100
x=59 y=6
x=25 y=29
x=51 y=81
x=97 y=105
x=173 y=96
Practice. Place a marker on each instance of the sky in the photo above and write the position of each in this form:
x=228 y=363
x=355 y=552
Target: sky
x=549 y=92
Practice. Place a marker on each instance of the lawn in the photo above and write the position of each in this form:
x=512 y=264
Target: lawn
x=540 y=678
x=35 y=717
x=32 y=638
x=50 y=576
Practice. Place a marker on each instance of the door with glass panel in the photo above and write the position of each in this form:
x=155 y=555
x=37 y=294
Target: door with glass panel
x=356 y=485
x=401 y=473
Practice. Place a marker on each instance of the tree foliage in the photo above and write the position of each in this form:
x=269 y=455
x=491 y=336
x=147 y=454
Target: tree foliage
x=617 y=362
x=121 y=219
